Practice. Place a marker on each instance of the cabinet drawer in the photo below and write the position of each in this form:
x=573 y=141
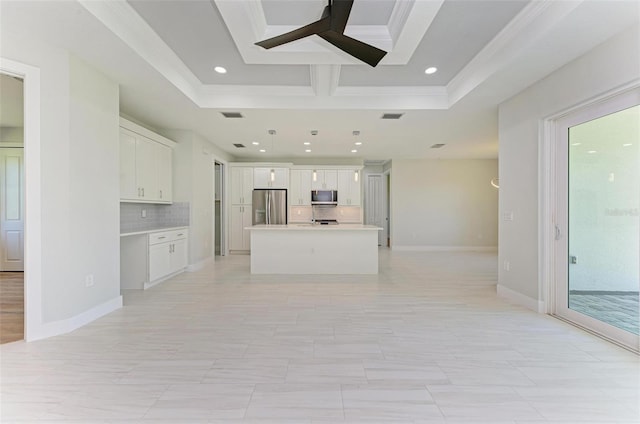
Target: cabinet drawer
x=167 y=236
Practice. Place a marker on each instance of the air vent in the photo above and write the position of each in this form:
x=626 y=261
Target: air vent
x=437 y=146
x=232 y=114
x=392 y=115
x=239 y=145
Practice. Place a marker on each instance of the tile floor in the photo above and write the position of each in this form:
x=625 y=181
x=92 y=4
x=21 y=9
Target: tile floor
x=425 y=341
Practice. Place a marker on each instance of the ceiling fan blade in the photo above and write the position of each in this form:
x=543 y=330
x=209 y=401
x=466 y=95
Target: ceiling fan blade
x=305 y=31
x=340 y=11
x=367 y=53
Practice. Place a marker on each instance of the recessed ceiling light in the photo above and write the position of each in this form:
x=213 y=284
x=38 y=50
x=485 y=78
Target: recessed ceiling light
x=592 y=151
x=255 y=143
x=627 y=144
x=220 y=70
x=358 y=143
x=431 y=70
x=307 y=143
x=308 y=150
x=262 y=150
x=354 y=151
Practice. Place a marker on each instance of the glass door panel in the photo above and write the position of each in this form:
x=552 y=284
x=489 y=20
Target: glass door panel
x=603 y=227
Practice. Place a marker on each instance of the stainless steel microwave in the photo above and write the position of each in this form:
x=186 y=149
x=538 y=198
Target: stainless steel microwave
x=324 y=197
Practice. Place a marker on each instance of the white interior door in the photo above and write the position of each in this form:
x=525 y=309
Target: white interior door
x=12 y=209
x=374 y=206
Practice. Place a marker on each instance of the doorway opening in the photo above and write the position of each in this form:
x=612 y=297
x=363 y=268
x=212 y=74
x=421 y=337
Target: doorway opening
x=597 y=261
x=12 y=213
x=218 y=209
x=376 y=199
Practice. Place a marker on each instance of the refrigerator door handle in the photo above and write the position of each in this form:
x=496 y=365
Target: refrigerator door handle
x=268 y=208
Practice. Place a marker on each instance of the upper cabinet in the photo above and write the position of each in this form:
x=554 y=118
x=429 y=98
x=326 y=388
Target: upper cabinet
x=300 y=193
x=241 y=185
x=324 y=179
x=349 y=187
x=270 y=178
x=145 y=165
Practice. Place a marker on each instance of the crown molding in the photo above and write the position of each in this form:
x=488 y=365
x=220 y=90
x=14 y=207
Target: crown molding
x=529 y=25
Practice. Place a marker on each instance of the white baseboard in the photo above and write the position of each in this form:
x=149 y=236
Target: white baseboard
x=445 y=248
x=67 y=325
x=520 y=299
x=199 y=265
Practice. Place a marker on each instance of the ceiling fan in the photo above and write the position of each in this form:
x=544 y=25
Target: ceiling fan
x=331 y=28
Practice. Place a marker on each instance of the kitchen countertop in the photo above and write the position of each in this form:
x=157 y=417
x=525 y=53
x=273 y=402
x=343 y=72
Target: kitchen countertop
x=151 y=230
x=314 y=227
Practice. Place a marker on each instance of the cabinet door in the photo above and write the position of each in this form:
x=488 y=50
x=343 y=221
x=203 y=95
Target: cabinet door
x=241 y=185
x=261 y=178
x=146 y=168
x=179 y=259
x=159 y=260
x=128 y=186
x=281 y=179
x=246 y=222
x=331 y=180
x=237 y=230
x=348 y=188
x=300 y=187
x=317 y=180
x=163 y=155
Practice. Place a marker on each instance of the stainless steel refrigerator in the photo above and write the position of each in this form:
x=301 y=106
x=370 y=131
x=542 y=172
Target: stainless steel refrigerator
x=269 y=207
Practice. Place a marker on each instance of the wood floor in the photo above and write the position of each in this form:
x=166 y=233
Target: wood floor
x=11 y=306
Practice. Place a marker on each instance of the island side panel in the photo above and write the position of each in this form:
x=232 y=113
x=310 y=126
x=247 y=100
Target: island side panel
x=314 y=252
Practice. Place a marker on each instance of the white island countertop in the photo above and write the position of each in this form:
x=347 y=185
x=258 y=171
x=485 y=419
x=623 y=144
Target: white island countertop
x=310 y=226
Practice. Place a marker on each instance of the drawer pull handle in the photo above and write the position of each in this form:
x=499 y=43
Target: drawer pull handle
x=180 y=234
x=160 y=238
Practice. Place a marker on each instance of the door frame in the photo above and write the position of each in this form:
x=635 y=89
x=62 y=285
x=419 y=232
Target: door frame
x=32 y=225
x=552 y=227
x=224 y=248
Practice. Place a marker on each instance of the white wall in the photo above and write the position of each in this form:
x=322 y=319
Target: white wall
x=612 y=64
x=193 y=182
x=444 y=204
x=79 y=185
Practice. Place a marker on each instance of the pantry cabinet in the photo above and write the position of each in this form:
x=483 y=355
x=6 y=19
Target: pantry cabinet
x=240 y=219
x=241 y=185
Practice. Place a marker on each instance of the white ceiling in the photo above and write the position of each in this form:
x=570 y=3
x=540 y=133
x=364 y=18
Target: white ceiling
x=162 y=54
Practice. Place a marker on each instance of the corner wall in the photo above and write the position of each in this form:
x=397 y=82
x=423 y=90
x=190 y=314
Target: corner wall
x=612 y=64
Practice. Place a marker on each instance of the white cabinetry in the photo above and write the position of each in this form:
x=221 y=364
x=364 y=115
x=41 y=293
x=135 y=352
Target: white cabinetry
x=240 y=219
x=300 y=193
x=167 y=253
x=241 y=185
x=325 y=179
x=349 y=187
x=145 y=165
x=271 y=178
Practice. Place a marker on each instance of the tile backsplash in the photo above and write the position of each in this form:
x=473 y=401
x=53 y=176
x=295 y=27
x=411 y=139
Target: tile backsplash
x=157 y=216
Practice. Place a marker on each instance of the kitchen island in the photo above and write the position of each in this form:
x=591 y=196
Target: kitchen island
x=314 y=249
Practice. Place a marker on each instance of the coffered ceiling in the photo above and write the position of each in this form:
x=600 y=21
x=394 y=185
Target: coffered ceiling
x=163 y=54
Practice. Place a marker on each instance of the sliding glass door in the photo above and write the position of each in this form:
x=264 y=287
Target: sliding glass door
x=598 y=263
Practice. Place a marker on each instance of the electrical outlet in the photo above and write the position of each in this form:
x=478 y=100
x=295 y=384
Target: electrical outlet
x=144 y=213
x=506 y=265
x=88 y=280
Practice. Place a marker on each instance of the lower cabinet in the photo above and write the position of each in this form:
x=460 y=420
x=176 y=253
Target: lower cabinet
x=167 y=253
x=240 y=240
